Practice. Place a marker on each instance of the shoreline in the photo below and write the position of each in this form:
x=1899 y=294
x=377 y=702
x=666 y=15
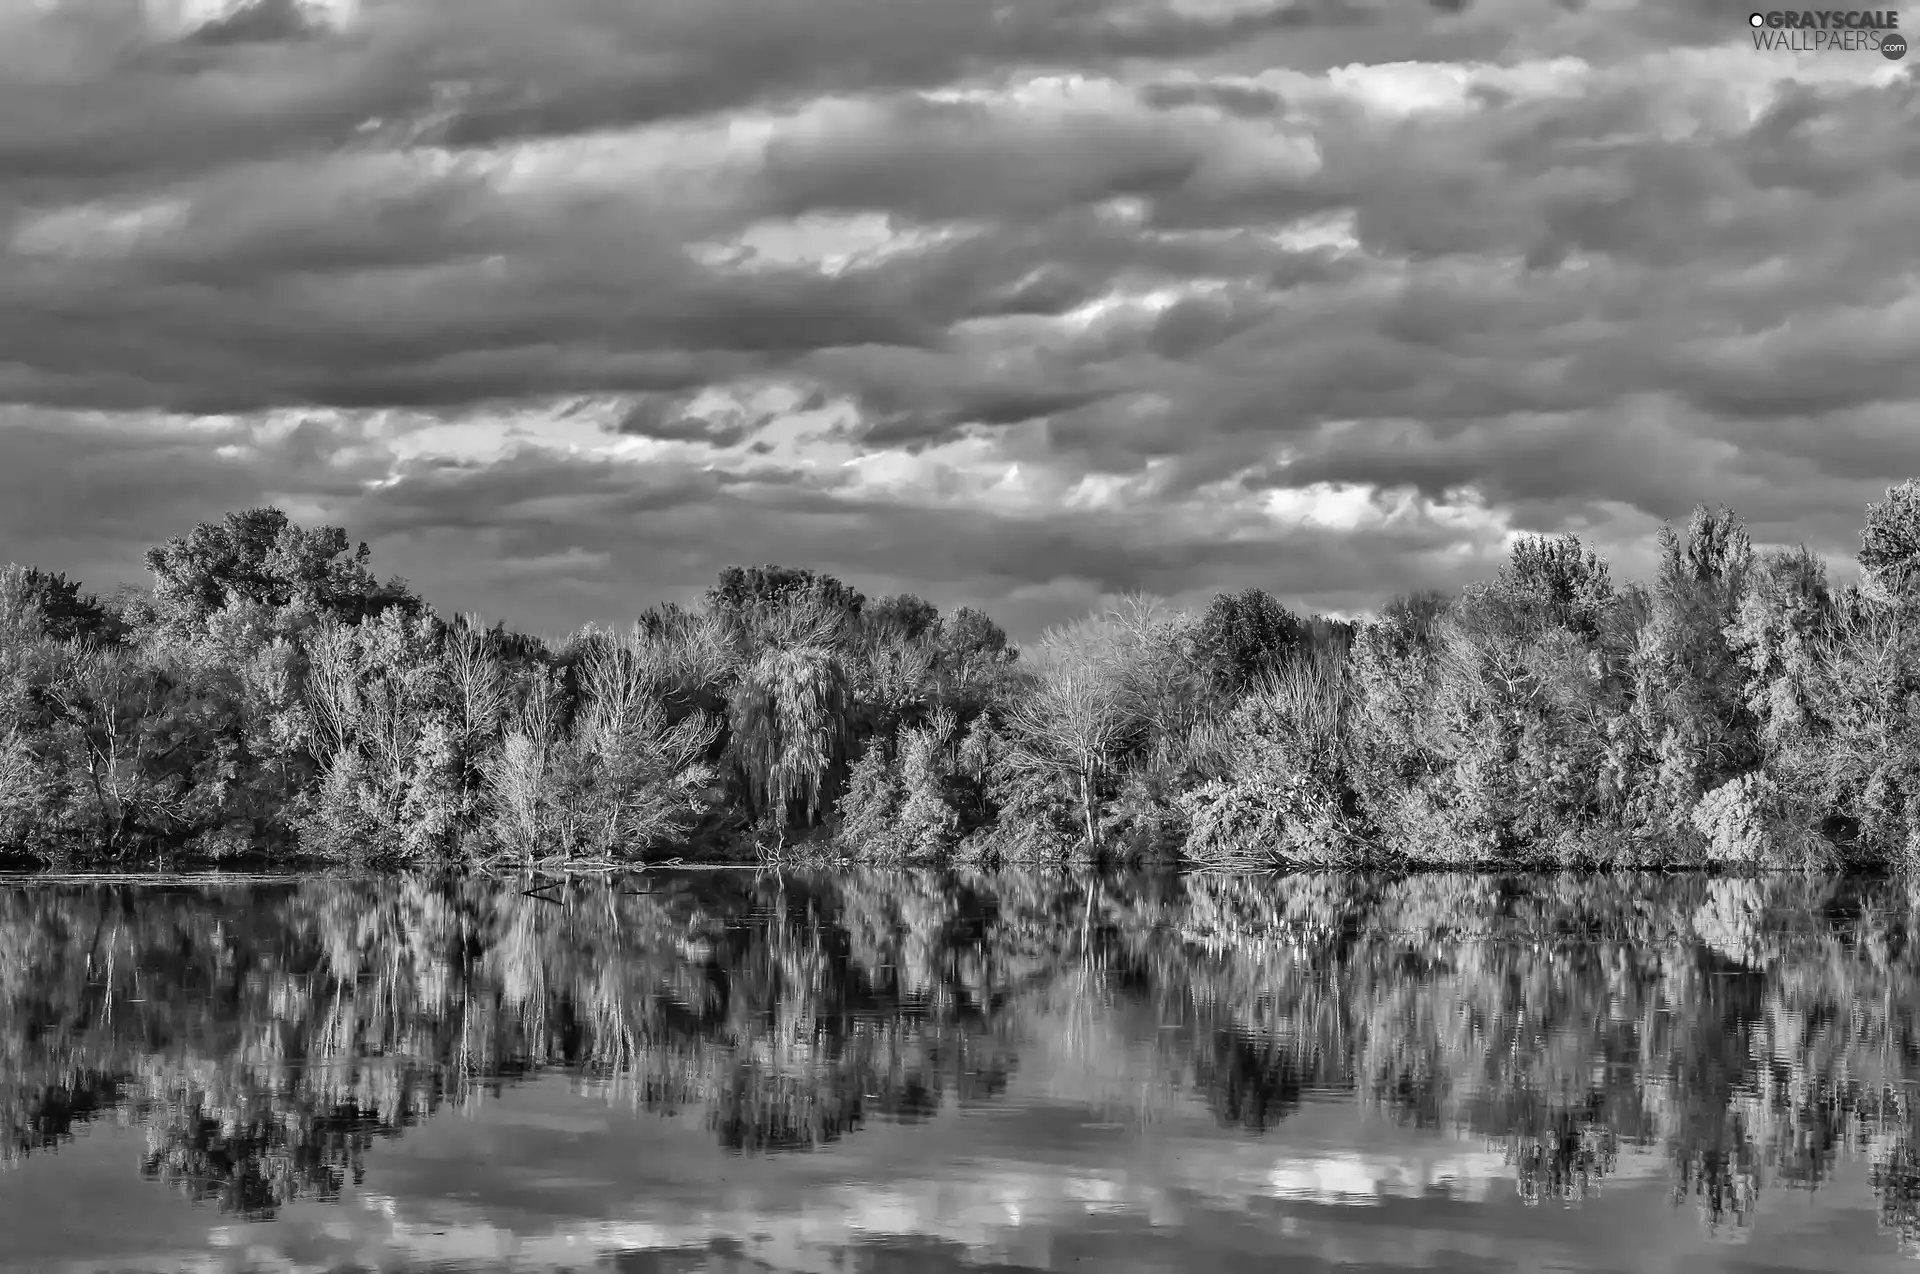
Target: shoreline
x=210 y=872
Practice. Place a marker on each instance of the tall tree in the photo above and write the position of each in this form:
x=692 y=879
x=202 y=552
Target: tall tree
x=261 y=557
x=792 y=731
x=792 y=716
x=66 y=612
x=1890 y=543
x=1108 y=687
x=1692 y=723
x=1785 y=620
x=1244 y=636
x=966 y=639
x=912 y=616
x=752 y=591
x=1570 y=585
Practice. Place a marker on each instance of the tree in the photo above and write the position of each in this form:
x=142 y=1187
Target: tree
x=261 y=557
x=1326 y=636
x=384 y=737
x=892 y=679
x=1570 y=585
x=66 y=613
x=666 y=620
x=898 y=808
x=1151 y=652
x=911 y=616
x=1104 y=688
x=1284 y=793
x=1412 y=616
x=620 y=777
x=751 y=592
x=971 y=658
x=1399 y=766
x=967 y=635
x=479 y=691
x=1690 y=728
x=1784 y=620
x=1069 y=722
x=108 y=738
x=791 y=725
x=1862 y=761
x=1890 y=543
x=1244 y=636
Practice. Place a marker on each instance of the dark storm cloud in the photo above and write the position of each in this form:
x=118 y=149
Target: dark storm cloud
x=306 y=310
x=88 y=495
x=1541 y=295
x=1550 y=461
x=376 y=279
x=675 y=57
x=1743 y=274
x=918 y=395
x=464 y=525
x=541 y=507
x=666 y=418
x=937 y=161
x=1251 y=100
x=261 y=22
x=546 y=543
x=1059 y=263
x=95 y=90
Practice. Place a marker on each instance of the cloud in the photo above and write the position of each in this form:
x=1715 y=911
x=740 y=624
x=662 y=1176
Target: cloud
x=117 y=91
x=88 y=493
x=260 y=22
x=1024 y=305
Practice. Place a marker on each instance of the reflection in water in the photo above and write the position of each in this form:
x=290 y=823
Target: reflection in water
x=1544 y=1037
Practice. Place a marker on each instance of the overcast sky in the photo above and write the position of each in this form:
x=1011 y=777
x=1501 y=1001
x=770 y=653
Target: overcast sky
x=564 y=304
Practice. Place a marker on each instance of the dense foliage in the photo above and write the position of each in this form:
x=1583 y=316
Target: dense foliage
x=270 y=695
x=1742 y=1037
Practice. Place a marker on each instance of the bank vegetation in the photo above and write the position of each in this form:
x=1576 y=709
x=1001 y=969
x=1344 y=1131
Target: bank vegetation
x=269 y=697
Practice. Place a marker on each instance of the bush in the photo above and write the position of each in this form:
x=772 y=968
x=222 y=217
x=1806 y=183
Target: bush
x=1748 y=822
x=1285 y=794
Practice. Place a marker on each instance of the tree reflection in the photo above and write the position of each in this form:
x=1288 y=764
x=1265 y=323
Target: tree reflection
x=1755 y=1032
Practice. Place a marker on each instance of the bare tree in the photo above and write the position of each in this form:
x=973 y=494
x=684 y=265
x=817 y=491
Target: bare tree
x=477 y=693
x=332 y=688
x=518 y=776
x=476 y=683
x=107 y=704
x=621 y=775
x=1122 y=682
x=1071 y=717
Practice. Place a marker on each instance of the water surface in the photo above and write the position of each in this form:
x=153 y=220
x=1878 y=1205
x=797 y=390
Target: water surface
x=873 y=1071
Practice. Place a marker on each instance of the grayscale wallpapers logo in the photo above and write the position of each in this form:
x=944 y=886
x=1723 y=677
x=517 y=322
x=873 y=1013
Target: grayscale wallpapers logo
x=1829 y=31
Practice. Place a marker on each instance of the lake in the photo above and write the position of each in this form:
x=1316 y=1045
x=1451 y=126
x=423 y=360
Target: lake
x=945 y=1071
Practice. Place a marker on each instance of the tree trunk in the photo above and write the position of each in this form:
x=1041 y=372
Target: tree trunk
x=1086 y=805
x=103 y=821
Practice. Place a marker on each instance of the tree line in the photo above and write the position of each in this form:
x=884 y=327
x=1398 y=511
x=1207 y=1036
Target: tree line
x=269 y=695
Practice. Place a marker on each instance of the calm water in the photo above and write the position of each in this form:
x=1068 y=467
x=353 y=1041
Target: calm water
x=881 y=1071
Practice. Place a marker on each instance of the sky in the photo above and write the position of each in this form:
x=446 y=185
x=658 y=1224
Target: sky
x=564 y=305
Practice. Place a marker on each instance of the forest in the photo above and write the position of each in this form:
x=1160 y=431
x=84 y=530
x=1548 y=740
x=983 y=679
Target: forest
x=270 y=698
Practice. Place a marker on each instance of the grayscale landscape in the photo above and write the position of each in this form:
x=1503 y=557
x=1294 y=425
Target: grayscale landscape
x=860 y=635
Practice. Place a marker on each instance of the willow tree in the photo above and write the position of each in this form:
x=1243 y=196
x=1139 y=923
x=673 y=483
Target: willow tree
x=792 y=728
